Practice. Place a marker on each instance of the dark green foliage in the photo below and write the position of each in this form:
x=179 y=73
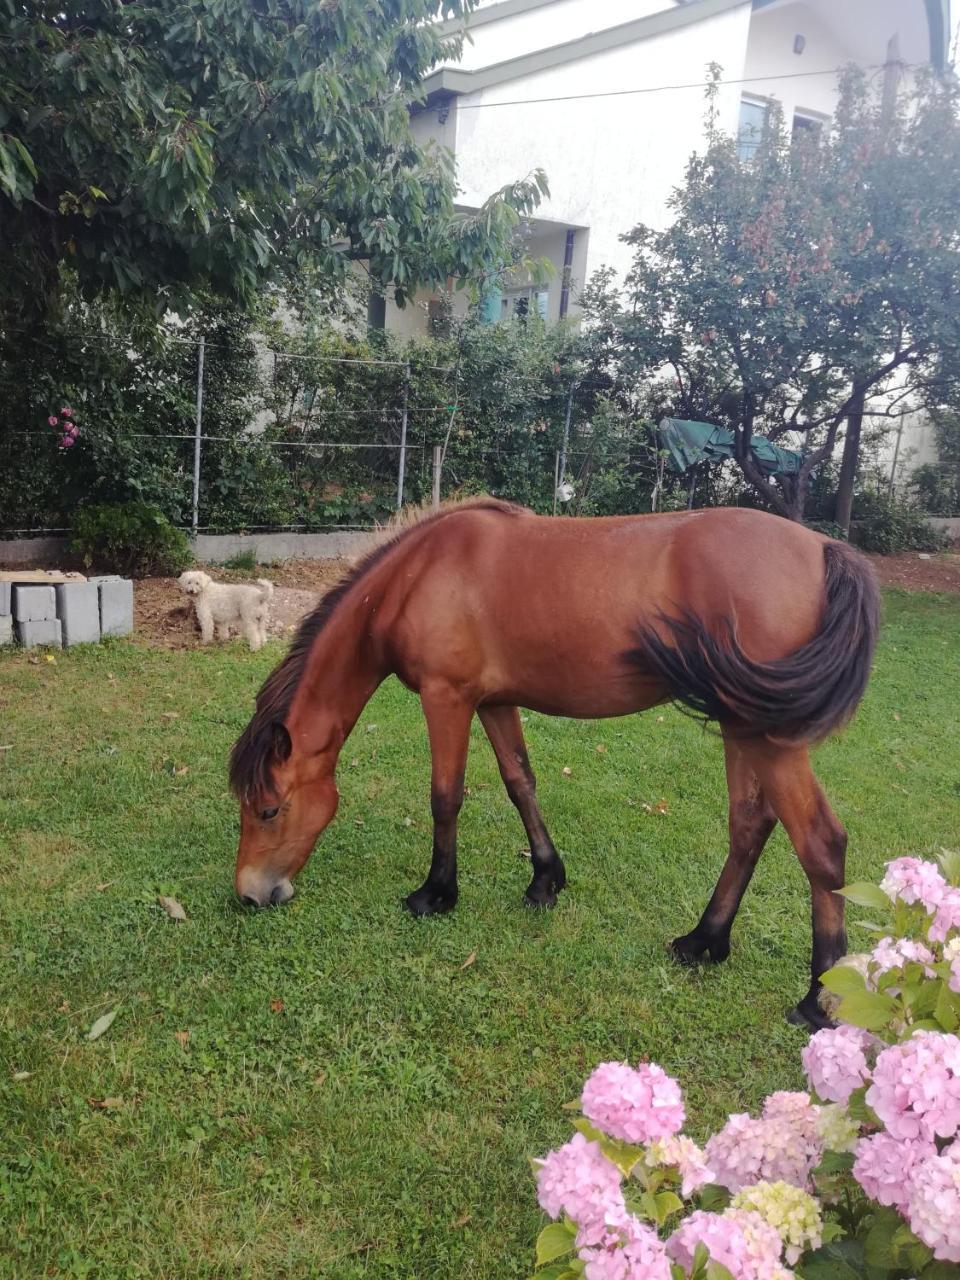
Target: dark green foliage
x=133 y=538
x=163 y=148
x=887 y=525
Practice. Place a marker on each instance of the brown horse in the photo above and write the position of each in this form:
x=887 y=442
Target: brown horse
x=483 y=607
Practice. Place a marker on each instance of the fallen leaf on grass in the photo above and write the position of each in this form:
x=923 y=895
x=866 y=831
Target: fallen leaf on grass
x=276 y=1006
x=180 y=769
x=567 y=771
x=181 y=1037
x=102 y=1024
x=601 y=750
x=318 y=1080
x=896 y=715
x=105 y=1104
x=173 y=908
x=469 y=960
x=462 y=1220
x=659 y=719
x=170 y=715
x=48 y=657
x=105 y=884
x=524 y=853
x=661 y=807
x=22 y=1075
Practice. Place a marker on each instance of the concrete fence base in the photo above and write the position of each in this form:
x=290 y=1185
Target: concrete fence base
x=26 y=553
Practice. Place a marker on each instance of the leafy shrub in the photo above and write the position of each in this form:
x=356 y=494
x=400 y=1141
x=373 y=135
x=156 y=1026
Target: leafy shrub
x=132 y=538
x=860 y=1180
x=887 y=525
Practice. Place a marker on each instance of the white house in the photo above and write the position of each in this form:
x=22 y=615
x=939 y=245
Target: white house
x=607 y=96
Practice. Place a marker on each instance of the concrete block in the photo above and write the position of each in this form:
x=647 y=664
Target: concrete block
x=116 y=606
x=33 y=604
x=6 y=628
x=5 y=598
x=78 y=608
x=46 y=631
x=105 y=577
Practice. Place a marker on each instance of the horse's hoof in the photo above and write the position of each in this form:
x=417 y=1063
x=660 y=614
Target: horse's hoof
x=810 y=1016
x=428 y=902
x=541 y=899
x=691 y=949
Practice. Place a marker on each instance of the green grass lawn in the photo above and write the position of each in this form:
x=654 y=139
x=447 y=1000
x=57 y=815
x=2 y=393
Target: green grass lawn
x=354 y=1099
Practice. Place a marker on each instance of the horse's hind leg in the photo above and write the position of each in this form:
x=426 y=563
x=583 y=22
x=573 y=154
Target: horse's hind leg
x=821 y=845
x=448 y=724
x=751 y=820
x=502 y=725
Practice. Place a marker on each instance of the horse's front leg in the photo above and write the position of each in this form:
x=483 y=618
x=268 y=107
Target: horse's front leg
x=448 y=719
x=502 y=725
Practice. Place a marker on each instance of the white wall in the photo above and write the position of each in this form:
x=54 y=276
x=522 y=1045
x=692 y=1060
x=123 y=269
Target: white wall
x=564 y=20
x=610 y=162
x=770 y=53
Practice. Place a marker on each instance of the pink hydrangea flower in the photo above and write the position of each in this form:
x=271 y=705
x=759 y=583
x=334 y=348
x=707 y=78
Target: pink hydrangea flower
x=739 y=1240
x=884 y=1167
x=52 y=422
x=630 y=1250
x=894 y=953
x=916 y=1087
x=835 y=1062
x=953 y=981
x=913 y=880
x=947 y=918
x=683 y=1154
x=577 y=1179
x=934 y=1209
x=636 y=1104
x=783 y=1145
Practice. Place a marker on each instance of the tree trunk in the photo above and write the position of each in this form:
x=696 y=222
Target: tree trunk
x=851 y=459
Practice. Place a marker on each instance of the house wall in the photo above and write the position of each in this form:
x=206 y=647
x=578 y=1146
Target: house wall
x=610 y=162
x=770 y=54
x=565 y=20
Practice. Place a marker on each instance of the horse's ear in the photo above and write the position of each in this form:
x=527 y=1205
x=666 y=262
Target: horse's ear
x=281 y=743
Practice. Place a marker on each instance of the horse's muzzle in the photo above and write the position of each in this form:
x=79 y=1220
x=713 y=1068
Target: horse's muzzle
x=255 y=895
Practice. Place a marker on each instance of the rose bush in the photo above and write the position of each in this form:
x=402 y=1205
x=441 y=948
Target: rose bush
x=859 y=1179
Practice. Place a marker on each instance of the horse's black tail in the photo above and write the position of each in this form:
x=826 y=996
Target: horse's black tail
x=800 y=698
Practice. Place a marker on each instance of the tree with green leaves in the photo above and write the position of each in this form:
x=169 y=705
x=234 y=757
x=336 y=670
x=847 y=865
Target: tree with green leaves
x=163 y=147
x=796 y=284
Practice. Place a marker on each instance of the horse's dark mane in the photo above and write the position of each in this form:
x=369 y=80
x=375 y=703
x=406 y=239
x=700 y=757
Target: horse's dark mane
x=260 y=746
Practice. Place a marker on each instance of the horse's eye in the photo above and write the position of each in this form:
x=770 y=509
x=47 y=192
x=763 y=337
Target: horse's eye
x=267 y=814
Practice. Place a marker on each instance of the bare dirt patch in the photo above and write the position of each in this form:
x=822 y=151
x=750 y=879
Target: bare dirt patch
x=164 y=619
x=908 y=572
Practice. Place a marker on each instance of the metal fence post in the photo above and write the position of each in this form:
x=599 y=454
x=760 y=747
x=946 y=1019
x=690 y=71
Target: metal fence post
x=401 y=469
x=194 y=523
x=566 y=433
x=556 y=480
x=437 y=465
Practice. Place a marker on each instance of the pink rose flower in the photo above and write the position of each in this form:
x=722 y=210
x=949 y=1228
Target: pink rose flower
x=52 y=422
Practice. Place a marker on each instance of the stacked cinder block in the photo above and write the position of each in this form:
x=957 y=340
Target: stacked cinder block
x=35 y=616
x=116 y=604
x=65 y=613
x=6 y=614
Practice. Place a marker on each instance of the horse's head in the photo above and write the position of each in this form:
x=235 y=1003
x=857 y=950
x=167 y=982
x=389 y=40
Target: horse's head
x=287 y=797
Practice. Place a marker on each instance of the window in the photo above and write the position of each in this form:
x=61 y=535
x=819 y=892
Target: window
x=807 y=128
x=753 y=117
x=528 y=301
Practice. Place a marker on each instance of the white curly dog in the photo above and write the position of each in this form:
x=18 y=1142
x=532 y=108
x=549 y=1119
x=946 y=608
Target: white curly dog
x=224 y=604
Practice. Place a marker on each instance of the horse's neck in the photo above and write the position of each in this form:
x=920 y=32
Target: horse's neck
x=342 y=673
